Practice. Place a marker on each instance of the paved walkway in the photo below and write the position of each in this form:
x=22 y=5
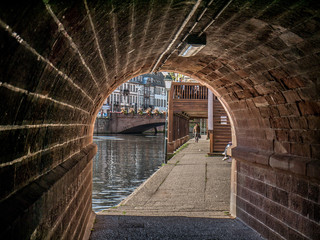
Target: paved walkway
x=188 y=198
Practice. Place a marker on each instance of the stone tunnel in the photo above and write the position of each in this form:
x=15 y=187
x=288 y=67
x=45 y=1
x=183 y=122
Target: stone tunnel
x=61 y=59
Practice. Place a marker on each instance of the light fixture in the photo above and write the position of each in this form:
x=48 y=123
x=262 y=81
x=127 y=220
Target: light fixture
x=193 y=45
x=168 y=83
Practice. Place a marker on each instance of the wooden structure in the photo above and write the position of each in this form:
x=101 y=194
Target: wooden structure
x=188 y=101
x=221 y=133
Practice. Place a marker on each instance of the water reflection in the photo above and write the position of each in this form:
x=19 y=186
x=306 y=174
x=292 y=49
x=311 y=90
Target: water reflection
x=121 y=164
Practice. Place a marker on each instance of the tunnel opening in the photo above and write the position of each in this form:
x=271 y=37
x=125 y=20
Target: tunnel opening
x=128 y=100
x=59 y=60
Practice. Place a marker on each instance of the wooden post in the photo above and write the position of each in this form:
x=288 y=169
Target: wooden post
x=210 y=120
x=170 y=147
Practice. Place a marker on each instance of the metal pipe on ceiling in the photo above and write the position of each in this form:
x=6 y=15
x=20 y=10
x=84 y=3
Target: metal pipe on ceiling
x=194 y=25
x=195 y=7
x=215 y=18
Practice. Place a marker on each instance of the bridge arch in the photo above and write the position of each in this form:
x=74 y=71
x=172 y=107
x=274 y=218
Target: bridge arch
x=123 y=123
x=60 y=60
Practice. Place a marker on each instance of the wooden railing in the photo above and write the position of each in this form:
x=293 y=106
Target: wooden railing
x=189 y=91
x=186 y=100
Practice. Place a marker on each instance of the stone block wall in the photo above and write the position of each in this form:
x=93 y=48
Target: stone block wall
x=278 y=204
x=59 y=60
x=58 y=63
x=55 y=206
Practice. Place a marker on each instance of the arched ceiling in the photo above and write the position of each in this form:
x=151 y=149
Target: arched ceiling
x=60 y=59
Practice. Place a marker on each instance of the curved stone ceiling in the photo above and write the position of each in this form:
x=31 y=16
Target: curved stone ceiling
x=60 y=59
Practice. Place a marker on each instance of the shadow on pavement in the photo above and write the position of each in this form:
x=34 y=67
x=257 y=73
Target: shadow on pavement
x=147 y=227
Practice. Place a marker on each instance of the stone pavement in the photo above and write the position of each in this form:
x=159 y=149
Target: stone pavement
x=188 y=198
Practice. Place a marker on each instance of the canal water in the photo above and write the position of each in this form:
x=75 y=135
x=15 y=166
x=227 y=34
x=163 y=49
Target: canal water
x=122 y=163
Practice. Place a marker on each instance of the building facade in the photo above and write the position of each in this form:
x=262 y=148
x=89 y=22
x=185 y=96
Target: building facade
x=141 y=92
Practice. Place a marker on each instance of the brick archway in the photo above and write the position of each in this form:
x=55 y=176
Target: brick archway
x=60 y=60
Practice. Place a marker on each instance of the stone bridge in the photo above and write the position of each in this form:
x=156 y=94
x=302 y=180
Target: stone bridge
x=61 y=59
x=121 y=123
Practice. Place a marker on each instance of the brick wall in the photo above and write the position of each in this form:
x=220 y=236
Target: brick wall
x=56 y=205
x=278 y=204
x=60 y=60
x=263 y=64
